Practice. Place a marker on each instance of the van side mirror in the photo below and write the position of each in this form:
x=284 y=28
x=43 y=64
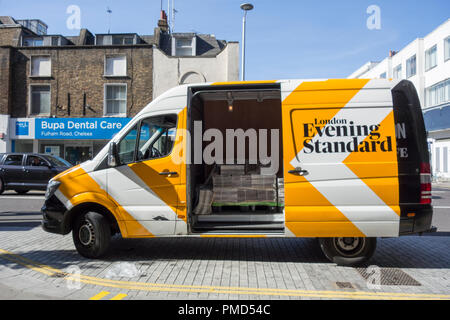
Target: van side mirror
x=113 y=155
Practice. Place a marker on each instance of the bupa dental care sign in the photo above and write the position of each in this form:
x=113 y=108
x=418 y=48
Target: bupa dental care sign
x=79 y=128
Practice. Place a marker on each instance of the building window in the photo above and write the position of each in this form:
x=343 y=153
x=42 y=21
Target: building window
x=41 y=66
x=121 y=40
x=411 y=67
x=32 y=42
x=183 y=47
x=116 y=66
x=40 y=100
x=430 y=58
x=438 y=94
x=447 y=49
x=55 y=41
x=398 y=72
x=383 y=75
x=115 y=99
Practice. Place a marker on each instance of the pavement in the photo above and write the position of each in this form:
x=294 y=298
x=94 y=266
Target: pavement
x=38 y=265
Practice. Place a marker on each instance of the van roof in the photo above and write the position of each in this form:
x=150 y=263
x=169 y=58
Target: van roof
x=181 y=90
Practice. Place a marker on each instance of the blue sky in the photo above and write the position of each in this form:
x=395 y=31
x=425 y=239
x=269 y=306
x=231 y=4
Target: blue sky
x=285 y=38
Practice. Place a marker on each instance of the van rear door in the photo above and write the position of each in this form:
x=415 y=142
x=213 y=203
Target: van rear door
x=413 y=160
x=340 y=159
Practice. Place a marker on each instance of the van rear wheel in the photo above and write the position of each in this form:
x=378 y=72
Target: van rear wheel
x=348 y=251
x=91 y=234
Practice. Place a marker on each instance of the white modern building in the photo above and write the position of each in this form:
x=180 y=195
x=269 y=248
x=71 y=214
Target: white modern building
x=426 y=63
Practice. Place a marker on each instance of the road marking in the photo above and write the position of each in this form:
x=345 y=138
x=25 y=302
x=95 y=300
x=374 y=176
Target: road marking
x=120 y=296
x=99 y=296
x=143 y=286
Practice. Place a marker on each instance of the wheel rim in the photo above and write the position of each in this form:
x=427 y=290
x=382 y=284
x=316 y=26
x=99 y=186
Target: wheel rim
x=86 y=234
x=349 y=247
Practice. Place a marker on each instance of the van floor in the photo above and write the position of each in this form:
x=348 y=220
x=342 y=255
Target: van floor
x=234 y=221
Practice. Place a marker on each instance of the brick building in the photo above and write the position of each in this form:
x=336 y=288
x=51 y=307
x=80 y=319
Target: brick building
x=69 y=95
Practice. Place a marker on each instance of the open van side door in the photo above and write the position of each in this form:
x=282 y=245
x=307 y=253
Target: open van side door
x=146 y=184
x=340 y=159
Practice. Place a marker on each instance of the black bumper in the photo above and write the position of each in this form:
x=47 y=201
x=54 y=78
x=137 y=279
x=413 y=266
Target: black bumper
x=419 y=223
x=53 y=216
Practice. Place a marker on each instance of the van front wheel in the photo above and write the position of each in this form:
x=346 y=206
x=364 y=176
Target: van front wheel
x=91 y=234
x=348 y=251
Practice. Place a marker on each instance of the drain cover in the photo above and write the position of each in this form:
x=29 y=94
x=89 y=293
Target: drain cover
x=391 y=277
x=344 y=285
x=58 y=275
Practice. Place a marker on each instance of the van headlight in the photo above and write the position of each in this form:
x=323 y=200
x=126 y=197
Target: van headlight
x=51 y=189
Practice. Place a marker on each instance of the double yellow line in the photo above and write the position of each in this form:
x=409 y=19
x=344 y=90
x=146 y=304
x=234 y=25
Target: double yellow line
x=143 y=286
x=103 y=294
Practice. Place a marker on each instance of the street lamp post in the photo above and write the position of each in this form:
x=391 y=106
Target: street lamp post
x=246 y=7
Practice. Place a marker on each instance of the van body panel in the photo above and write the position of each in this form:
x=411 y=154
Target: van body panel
x=342 y=135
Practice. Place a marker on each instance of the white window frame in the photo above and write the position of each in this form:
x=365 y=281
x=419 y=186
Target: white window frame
x=30 y=92
x=31 y=66
x=193 y=46
x=34 y=39
x=122 y=38
x=397 y=74
x=415 y=73
x=427 y=57
x=105 y=104
x=446 y=49
x=105 y=63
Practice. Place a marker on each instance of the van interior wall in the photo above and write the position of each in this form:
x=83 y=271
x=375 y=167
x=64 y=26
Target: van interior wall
x=246 y=114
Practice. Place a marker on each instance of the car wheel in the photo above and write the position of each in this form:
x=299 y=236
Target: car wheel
x=91 y=234
x=2 y=186
x=21 y=191
x=348 y=251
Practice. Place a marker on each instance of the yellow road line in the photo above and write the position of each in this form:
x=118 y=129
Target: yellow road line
x=120 y=296
x=99 y=295
x=143 y=286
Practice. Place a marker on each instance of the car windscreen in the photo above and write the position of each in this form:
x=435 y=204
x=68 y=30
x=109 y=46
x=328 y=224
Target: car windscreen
x=58 y=162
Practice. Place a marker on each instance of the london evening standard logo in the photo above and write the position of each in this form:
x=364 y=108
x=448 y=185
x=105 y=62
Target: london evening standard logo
x=354 y=137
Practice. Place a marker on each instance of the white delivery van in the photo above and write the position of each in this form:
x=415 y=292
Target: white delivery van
x=344 y=161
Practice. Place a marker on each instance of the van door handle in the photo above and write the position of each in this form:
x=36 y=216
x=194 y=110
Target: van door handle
x=168 y=173
x=299 y=172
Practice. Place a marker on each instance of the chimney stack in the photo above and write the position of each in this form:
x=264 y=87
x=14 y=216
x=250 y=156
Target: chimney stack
x=162 y=22
x=392 y=53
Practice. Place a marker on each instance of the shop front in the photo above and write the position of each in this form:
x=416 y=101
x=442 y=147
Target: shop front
x=74 y=139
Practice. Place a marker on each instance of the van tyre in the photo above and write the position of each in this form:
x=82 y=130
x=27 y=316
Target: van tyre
x=348 y=251
x=91 y=235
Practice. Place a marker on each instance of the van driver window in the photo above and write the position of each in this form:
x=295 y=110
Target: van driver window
x=127 y=146
x=157 y=137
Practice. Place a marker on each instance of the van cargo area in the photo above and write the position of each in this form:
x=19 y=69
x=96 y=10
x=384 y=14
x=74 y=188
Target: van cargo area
x=239 y=189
